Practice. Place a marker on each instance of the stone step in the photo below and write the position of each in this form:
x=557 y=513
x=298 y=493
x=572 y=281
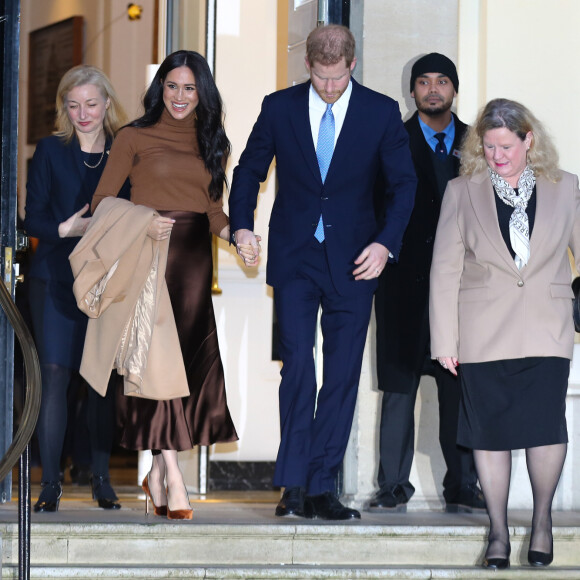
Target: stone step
x=244 y=539
x=291 y=572
x=158 y=549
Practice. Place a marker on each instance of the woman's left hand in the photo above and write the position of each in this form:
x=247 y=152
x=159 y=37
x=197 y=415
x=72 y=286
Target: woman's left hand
x=75 y=226
x=449 y=363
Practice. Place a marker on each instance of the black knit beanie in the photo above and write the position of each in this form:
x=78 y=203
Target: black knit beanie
x=435 y=63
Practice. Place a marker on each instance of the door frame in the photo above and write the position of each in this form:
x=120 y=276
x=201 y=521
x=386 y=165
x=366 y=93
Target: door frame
x=9 y=46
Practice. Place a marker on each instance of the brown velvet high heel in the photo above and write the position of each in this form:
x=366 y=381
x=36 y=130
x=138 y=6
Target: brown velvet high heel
x=179 y=514
x=157 y=510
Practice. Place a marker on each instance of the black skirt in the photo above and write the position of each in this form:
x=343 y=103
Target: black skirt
x=513 y=404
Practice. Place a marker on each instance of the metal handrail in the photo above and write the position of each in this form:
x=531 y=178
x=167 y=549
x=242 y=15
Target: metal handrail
x=33 y=384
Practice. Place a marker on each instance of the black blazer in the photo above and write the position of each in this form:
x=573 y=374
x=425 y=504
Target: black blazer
x=402 y=298
x=372 y=139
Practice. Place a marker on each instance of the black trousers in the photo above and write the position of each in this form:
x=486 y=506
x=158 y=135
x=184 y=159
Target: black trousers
x=397 y=437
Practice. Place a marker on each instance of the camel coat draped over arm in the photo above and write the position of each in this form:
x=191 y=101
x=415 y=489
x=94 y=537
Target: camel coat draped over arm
x=120 y=284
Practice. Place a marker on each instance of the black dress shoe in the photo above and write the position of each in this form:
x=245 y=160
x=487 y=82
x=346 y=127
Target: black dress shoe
x=104 y=494
x=466 y=500
x=292 y=502
x=49 y=498
x=389 y=499
x=327 y=507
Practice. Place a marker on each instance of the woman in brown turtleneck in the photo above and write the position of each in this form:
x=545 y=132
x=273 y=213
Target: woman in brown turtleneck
x=175 y=155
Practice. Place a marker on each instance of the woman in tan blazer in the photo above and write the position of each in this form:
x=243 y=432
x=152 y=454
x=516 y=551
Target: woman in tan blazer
x=501 y=306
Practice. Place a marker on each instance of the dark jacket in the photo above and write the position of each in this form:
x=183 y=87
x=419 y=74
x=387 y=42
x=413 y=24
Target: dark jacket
x=402 y=298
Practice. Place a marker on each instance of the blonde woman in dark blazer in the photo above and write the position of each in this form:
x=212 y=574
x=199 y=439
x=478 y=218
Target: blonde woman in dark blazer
x=62 y=178
x=501 y=306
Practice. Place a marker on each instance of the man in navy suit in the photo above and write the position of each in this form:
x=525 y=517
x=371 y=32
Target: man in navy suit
x=331 y=137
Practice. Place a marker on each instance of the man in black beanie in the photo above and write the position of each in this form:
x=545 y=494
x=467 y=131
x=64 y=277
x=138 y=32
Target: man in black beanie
x=401 y=304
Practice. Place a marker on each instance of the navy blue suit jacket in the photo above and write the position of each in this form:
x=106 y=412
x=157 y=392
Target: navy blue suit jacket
x=372 y=138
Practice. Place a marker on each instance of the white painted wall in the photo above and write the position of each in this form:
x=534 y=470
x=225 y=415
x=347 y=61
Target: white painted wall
x=395 y=34
x=524 y=50
x=245 y=73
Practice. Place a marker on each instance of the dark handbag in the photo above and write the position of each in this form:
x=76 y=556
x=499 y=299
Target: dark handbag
x=576 y=303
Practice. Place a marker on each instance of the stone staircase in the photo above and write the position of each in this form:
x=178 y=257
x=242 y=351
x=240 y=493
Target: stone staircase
x=246 y=541
x=183 y=550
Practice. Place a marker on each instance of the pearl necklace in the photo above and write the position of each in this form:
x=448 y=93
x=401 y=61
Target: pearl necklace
x=95 y=166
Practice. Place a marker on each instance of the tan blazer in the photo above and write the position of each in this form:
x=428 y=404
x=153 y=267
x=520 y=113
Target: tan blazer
x=120 y=284
x=482 y=307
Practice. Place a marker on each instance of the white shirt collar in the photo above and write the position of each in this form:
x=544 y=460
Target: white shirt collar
x=338 y=108
x=317 y=107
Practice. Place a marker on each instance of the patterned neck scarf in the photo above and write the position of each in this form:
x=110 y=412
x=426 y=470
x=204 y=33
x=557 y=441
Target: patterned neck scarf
x=519 y=225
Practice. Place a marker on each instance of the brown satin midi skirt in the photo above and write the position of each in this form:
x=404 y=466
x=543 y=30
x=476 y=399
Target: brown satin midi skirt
x=202 y=418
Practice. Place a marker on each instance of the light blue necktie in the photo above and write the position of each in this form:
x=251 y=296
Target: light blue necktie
x=324 y=150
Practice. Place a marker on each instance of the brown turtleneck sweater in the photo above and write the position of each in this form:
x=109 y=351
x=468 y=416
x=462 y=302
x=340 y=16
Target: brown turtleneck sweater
x=165 y=170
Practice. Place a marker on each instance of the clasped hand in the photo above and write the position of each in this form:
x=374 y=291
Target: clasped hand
x=248 y=247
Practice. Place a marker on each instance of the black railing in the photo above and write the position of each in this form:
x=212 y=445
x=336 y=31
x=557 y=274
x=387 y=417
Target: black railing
x=33 y=386
x=18 y=449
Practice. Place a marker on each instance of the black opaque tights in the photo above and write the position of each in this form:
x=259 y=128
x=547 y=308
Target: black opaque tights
x=51 y=427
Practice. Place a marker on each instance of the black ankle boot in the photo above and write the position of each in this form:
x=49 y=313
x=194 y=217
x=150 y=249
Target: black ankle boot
x=103 y=493
x=49 y=498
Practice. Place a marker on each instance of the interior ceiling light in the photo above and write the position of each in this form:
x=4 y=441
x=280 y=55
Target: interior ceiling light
x=134 y=11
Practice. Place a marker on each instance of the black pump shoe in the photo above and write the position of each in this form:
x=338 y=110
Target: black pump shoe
x=103 y=493
x=498 y=563
x=539 y=559
x=49 y=498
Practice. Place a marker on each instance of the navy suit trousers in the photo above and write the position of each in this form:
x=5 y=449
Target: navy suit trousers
x=315 y=428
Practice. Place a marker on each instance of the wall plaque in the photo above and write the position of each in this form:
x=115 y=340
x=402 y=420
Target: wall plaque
x=52 y=51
